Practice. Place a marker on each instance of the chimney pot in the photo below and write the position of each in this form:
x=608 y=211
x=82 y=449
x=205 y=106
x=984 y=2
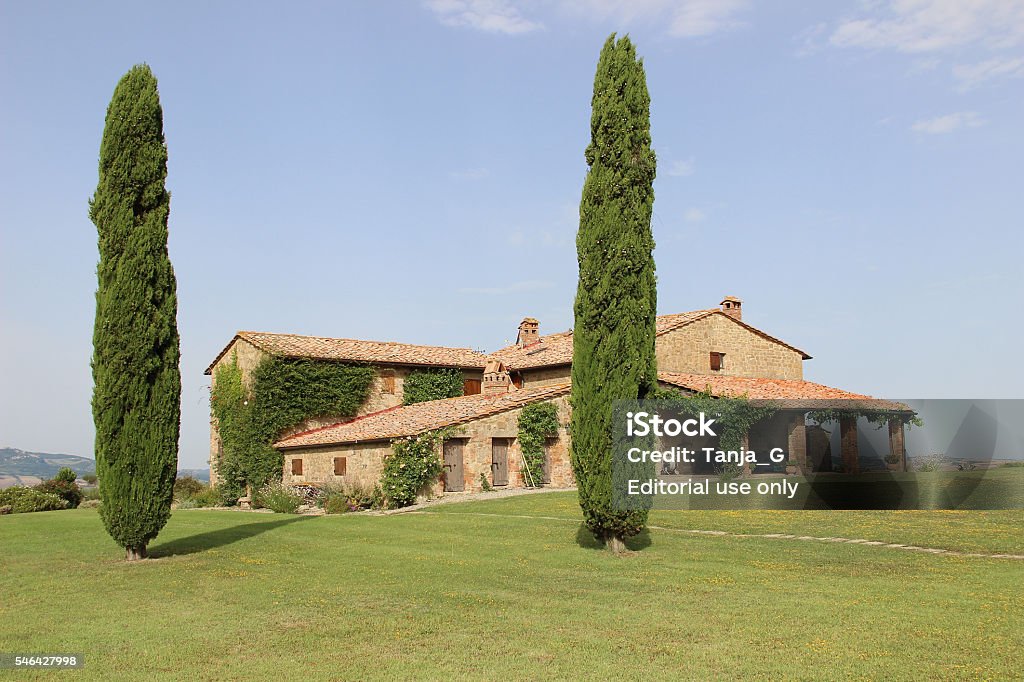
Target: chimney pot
x=733 y=307
x=496 y=379
x=529 y=332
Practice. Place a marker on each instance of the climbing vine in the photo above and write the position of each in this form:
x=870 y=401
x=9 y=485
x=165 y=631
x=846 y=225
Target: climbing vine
x=734 y=414
x=414 y=463
x=283 y=392
x=432 y=384
x=879 y=418
x=537 y=422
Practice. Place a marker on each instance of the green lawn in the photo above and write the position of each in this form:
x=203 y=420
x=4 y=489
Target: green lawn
x=463 y=594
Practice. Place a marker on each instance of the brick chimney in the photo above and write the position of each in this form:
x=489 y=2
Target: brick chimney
x=496 y=379
x=733 y=307
x=529 y=332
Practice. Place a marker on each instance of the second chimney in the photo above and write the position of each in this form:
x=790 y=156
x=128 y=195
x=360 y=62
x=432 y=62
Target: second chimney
x=529 y=332
x=496 y=379
x=733 y=307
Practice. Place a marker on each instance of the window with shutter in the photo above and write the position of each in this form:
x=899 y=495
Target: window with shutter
x=296 y=467
x=340 y=465
x=717 y=361
x=471 y=387
x=387 y=377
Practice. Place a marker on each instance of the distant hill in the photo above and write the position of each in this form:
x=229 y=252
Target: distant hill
x=15 y=462
x=20 y=467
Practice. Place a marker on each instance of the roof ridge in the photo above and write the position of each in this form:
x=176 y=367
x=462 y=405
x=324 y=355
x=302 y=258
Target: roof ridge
x=344 y=338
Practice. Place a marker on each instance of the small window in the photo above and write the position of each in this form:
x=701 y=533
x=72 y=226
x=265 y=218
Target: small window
x=340 y=464
x=717 y=361
x=387 y=378
x=296 y=467
x=517 y=380
x=471 y=387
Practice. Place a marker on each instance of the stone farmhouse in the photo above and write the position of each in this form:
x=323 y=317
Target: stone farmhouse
x=712 y=349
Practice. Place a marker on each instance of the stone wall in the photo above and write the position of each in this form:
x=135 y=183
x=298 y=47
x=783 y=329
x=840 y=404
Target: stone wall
x=366 y=461
x=747 y=354
x=386 y=391
x=546 y=376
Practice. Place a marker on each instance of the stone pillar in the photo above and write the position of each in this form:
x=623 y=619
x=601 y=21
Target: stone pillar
x=744 y=446
x=848 y=444
x=797 y=442
x=897 y=444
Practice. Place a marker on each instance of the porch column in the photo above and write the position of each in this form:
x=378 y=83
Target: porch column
x=897 y=443
x=797 y=442
x=744 y=446
x=848 y=444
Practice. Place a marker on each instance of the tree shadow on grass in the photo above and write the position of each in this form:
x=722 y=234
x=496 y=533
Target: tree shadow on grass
x=218 y=538
x=586 y=540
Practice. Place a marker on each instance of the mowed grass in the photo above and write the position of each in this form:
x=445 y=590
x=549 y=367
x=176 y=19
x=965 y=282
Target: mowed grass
x=474 y=591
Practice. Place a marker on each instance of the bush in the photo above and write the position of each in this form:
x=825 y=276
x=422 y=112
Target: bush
x=90 y=479
x=187 y=503
x=208 y=497
x=90 y=494
x=729 y=471
x=63 y=485
x=277 y=497
x=414 y=463
x=22 y=500
x=930 y=463
x=339 y=499
x=187 y=487
x=90 y=504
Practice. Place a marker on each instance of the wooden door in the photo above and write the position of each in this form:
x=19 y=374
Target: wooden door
x=453 y=480
x=548 y=444
x=499 y=461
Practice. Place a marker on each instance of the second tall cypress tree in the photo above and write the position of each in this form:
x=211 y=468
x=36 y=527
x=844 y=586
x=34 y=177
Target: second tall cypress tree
x=137 y=383
x=616 y=299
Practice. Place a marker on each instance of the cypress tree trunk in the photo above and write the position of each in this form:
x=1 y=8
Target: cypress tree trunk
x=616 y=299
x=137 y=384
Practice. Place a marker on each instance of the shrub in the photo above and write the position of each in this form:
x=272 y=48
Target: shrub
x=187 y=487
x=90 y=504
x=90 y=479
x=90 y=494
x=208 y=497
x=413 y=464
x=485 y=485
x=930 y=463
x=537 y=422
x=186 y=503
x=277 y=497
x=342 y=498
x=63 y=485
x=729 y=471
x=22 y=500
x=423 y=385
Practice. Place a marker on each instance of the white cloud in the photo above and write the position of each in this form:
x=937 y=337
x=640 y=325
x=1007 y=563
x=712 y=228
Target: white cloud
x=941 y=125
x=682 y=169
x=694 y=215
x=470 y=174
x=680 y=18
x=970 y=76
x=514 y=288
x=491 y=16
x=931 y=25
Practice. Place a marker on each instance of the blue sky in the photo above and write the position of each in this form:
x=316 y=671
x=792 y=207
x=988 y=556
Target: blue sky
x=412 y=171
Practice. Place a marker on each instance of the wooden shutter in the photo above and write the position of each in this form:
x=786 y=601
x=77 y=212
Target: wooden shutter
x=296 y=467
x=388 y=381
x=716 y=361
x=340 y=465
x=471 y=387
x=517 y=379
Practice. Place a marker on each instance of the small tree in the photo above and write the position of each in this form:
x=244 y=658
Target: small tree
x=616 y=300
x=137 y=384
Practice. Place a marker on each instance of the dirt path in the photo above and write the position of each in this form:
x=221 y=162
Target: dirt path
x=771 y=536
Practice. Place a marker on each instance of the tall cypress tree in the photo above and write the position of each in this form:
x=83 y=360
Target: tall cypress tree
x=137 y=383
x=616 y=299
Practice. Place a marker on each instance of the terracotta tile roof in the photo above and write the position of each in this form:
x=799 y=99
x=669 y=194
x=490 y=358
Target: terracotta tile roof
x=556 y=349
x=374 y=352
x=797 y=394
x=415 y=419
